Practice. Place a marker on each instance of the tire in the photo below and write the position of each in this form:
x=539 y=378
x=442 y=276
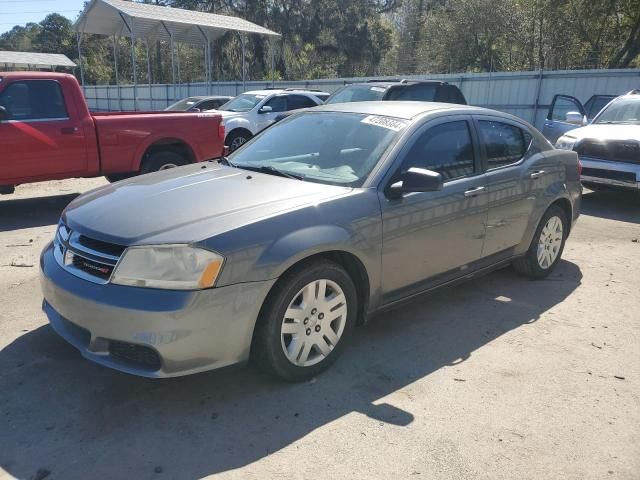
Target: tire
x=162 y=160
x=116 y=177
x=236 y=139
x=320 y=329
x=547 y=245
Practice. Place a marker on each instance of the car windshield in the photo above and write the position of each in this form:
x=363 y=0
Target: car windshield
x=184 y=104
x=298 y=146
x=622 y=111
x=357 y=93
x=242 y=103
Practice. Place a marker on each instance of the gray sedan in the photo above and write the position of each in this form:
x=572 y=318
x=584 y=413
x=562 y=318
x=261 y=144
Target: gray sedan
x=276 y=253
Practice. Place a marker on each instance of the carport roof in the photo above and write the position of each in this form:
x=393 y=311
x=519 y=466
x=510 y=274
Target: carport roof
x=118 y=17
x=33 y=59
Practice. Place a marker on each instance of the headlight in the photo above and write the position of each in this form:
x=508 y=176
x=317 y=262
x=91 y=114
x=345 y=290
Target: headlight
x=173 y=267
x=565 y=143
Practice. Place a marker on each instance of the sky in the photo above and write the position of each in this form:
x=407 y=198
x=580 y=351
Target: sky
x=20 y=12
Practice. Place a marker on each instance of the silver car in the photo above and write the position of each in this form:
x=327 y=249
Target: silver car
x=276 y=253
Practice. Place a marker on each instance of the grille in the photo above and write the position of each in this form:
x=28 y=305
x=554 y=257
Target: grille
x=610 y=174
x=137 y=355
x=101 y=247
x=615 y=150
x=91 y=267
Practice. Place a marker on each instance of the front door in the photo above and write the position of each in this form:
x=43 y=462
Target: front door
x=277 y=104
x=566 y=113
x=430 y=236
x=40 y=138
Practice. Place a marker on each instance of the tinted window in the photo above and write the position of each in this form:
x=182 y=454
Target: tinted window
x=446 y=149
x=505 y=144
x=33 y=99
x=357 y=93
x=419 y=92
x=300 y=101
x=595 y=104
x=209 y=104
x=278 y=104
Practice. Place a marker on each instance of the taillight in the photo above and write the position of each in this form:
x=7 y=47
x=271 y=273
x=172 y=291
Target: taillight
x=221 y=130
x=579 y=167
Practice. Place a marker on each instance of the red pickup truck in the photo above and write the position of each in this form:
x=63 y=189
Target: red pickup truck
x=47 y=133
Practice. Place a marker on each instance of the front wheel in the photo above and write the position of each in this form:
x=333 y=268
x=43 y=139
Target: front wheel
x=236 y=139
x=547 y=245
x=305 y=321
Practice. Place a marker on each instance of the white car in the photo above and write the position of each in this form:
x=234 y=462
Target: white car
x=251 y=112
x=609 y=147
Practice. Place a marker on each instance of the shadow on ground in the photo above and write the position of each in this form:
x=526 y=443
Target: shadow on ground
x=612 y=204
x=69 y=416
x=32 y=212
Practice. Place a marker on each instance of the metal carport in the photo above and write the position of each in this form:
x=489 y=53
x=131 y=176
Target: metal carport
x=34 y=60
x=151 y=22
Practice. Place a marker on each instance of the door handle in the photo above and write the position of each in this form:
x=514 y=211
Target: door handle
x=474 y=192
x=537 y=174
x=68 y=130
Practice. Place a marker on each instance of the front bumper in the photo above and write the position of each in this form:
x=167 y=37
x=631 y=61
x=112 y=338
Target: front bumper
x=608 y=173
x=150 y=332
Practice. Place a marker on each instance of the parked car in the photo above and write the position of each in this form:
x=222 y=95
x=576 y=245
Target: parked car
x=566 y=113
x=198 y=104
x=277 y=252
x=417 y=90
x=47 y=132
x=609 y=148
x=251 y=112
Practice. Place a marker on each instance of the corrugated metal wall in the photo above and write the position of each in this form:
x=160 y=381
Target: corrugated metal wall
x=512 y=92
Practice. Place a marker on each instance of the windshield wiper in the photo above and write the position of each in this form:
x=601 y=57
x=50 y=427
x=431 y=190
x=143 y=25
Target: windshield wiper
x=271 y=171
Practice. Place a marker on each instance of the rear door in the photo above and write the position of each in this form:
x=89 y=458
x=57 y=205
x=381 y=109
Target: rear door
x=597 y=103
x=516 y=176
x=557 y=122
x=42 y=136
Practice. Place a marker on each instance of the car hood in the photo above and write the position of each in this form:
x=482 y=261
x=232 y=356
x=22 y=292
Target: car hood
x=189 y=204
x=606 y=132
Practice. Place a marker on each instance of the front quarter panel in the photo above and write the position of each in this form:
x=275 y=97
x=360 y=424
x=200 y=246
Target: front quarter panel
x=265 y=249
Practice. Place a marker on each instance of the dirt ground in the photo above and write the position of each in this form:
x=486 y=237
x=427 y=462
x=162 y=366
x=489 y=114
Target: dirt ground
x=499 y=378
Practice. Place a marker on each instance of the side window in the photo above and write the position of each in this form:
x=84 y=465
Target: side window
x=299 y=101
x=33 y=99
x=209 y=105
x=446 y=148
x=595 y=104
x=278 y=104
x=561 y=107
x=418 y=92
x=505 y=144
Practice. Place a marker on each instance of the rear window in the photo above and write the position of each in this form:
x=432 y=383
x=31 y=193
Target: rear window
x=417 y=93
x=505 y=144
x=357 y=93
x=33 y=100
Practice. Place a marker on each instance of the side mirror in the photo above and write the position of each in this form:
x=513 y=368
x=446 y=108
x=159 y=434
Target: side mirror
x=415 y=180
x=4 y=114
x=575 y=118
x=266 y=109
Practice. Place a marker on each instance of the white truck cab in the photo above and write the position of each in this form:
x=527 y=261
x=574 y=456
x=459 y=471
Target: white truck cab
x=609 y=147
x=251 y=112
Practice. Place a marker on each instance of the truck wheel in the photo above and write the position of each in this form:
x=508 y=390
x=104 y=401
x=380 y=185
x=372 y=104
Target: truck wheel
x=162 y=160
x=236 y=139
x=305 y=321
x=547 y=245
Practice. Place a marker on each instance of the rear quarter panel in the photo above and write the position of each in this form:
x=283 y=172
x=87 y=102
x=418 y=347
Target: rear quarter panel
x=124 y=138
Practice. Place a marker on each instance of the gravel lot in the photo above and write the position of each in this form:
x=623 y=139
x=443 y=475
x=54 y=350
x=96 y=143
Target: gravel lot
x=498 y=378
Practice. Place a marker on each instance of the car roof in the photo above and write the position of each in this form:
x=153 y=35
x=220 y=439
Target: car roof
x=392 y=83
x=400 y=109
x=277 y=91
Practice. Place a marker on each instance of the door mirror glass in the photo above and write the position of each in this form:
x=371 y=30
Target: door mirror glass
x=416 y=180
x=266 y=109
x=4 y=114
x=575 y=118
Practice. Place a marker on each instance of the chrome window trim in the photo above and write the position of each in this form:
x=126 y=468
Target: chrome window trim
x=37 y=120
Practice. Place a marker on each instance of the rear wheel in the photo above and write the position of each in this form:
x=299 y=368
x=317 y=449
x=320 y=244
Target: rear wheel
x=305 y=321
x=162 y=160
x=547 y=245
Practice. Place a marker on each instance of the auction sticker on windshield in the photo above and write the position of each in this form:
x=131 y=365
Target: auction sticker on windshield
x=385 y=122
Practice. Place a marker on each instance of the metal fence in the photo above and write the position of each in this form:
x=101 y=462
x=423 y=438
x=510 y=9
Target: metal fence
x=525 y=94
